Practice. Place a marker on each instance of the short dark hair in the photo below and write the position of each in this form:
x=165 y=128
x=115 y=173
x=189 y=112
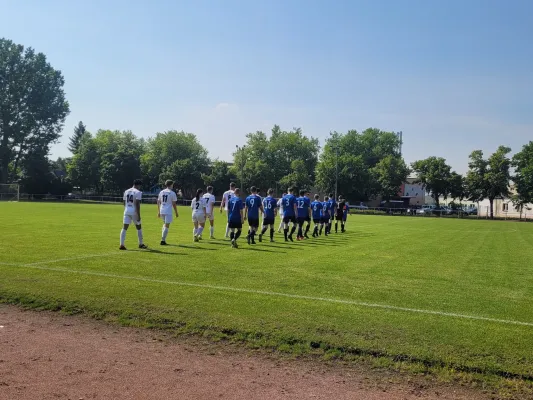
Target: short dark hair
x=210 y=189
x=291 y=189
x=317 y=196
x=237 y=191
x=331 y=195
x=168 y=183
x=270 y=191
x=137 y=182
x=253 y=189
x=232 y=184
x=326 y=198
x=302 y=192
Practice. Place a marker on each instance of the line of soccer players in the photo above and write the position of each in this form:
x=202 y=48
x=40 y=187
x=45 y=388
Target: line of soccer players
x=296 y=213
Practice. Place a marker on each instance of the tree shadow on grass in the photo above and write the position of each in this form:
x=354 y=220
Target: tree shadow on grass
x=185 y=246
x=263 y=250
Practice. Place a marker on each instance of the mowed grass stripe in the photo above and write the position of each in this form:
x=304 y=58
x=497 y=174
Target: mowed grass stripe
x=267 y=293
x=412 y=263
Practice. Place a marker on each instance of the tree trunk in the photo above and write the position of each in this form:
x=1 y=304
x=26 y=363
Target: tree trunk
x=491 y=202
x=4 y=154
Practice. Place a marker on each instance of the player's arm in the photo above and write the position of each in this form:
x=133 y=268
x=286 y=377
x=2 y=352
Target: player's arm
x=222 y=203
x=245 y=211
x=295 y=206
x=159 y=206
x=138 y=207
x=175 y=207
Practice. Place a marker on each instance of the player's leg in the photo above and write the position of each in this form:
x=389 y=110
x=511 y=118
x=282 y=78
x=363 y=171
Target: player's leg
x=126 y=224
x=300 y=229
x=140 y=234
x=227 y=225
x=307 y=227
x=201 y=225
x=293 y=229
x=195 y=229
x=167 y=220
x=285 y=222
x=272 y=230
x=211 y=226
x=337 y=224
x=281 y=224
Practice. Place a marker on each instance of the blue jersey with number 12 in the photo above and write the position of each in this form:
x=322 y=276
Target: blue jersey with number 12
x=303 y=204
x=269 y=205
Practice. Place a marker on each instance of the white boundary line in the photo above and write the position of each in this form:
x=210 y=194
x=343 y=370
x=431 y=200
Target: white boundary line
x=278 y=294
x=60 y=260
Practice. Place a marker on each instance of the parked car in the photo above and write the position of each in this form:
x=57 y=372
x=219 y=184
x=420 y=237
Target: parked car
x=470 y=211
x=360 y=206
x=426 y=210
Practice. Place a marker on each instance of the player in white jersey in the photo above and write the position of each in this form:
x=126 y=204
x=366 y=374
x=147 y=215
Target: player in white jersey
x=198 y=215
x=209 y=199
x=132 y=213
x=225 y=200
x=166 y=201
x=281 y=210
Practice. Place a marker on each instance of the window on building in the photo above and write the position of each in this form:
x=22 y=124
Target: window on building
x=505 y=207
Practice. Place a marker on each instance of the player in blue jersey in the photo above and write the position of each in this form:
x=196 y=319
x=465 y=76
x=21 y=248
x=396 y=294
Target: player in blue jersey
x=270 y=205
x=289 y=214
x=251 y=212
x=325 y=216
x=235 y=217
x=303 y=206
x=316 y=210
x=308 y=218
x=332 y=211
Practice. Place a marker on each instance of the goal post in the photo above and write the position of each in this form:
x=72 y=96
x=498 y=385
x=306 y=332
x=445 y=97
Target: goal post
x=9 y=192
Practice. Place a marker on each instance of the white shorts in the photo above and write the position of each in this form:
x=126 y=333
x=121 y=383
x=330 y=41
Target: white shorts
x=211 y=217
x=167 y=218
x=200 y=218
x=129 y=218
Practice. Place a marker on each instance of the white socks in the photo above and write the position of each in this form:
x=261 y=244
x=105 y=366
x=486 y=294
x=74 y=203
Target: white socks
x=200 y=230
x=165 y=233
x=139 y=235
x=212 y=231
x=194 y=232
x=227 y=230
x=122 y=236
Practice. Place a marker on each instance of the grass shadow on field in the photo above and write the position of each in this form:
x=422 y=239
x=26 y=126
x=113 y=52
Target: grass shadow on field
x=262 y=250
x=186 y=246
x=154 y=251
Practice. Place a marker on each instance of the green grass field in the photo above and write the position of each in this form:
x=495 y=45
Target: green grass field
x=391 y=288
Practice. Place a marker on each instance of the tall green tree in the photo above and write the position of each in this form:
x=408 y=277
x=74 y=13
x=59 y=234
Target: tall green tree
x=352 y=157
x=390 y=173
x=489 y=178
x=457 y=186
x=169 y=151
x=298 y=177
x=434 y=174
x=75 y=140
x=523 y=178
x=33 y=107
x=219 y=176
x=267 y=161
x=84 y=168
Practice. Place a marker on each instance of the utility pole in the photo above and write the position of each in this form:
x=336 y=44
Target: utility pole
x=242 y=166
x=400 y=136
x=336 y=148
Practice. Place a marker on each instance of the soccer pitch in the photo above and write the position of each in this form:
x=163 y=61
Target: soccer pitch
x=444 y=293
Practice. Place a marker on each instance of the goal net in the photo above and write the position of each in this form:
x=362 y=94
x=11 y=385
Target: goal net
x=9 y=192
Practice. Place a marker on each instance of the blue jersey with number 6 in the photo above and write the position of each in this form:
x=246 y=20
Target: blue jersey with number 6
x=302 y=205
x=269 y=205
x=235 y=206
x=316 y=206
x=289 y=200
x=253 y=202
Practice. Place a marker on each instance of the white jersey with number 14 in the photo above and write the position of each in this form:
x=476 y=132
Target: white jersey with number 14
x=130 y=196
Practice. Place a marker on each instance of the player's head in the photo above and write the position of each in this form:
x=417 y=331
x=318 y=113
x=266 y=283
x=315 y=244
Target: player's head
x=270 y=192
x=210 y=189
x=307 y=193
x=198 y=194
x=302 y=193
x=169 y=183
x=237 y=191
x=137 y=183
x=317 y=196
x=326 y=198
x=331 y=196
x=232 y=185
x=284 y=194
x=340 y=197
x=253 y=189
x=290 y=190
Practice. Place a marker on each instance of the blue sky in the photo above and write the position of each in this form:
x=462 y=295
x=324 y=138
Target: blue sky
x=453 y=76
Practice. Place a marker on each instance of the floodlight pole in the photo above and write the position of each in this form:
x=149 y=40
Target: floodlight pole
x=242 y=167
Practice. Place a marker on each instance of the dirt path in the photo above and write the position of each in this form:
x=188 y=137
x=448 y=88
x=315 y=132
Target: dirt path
x=49 y=356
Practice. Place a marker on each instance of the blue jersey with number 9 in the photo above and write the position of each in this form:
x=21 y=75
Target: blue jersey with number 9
x=253 y=202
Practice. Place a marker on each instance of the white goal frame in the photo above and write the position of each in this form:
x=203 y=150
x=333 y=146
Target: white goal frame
x=9 y=192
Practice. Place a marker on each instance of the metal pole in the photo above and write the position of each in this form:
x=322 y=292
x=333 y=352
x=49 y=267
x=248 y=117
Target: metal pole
x=336 y=170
